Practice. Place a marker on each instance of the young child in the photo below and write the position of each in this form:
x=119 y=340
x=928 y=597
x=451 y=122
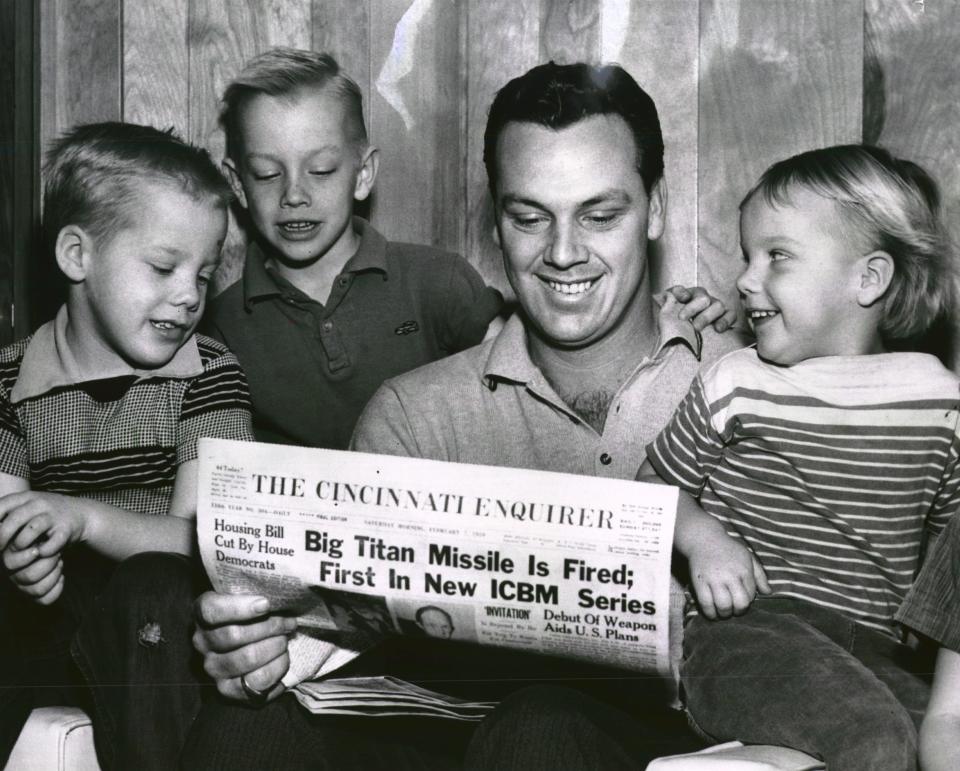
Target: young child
x=101 y=409
x=820 y=460
x=327 y=308
x=932 y=608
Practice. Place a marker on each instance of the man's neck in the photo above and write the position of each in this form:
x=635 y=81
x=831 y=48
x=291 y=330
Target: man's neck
x=588 y=378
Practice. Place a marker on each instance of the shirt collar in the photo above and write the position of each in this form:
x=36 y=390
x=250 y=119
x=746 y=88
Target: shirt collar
x=260 y=283
x=49 y=363
x=509 y=358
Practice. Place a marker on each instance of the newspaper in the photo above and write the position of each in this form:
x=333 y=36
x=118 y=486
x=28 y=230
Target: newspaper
x=359 y=547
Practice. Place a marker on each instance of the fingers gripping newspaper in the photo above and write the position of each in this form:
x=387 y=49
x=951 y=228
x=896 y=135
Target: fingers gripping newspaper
x=360 y=547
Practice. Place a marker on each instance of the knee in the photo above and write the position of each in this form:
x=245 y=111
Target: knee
x=157 y=581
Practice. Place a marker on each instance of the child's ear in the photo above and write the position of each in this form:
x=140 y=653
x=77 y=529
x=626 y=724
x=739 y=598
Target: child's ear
x=875 y=274
x=72 y=250
x=233 y=176
x=367 y=173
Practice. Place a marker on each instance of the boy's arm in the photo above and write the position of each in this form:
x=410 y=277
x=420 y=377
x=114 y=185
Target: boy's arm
x=725 y=575
x=940 y=732
x=49 y=521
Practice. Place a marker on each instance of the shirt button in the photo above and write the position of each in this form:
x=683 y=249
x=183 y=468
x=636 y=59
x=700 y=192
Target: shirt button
x=605 y=459
x=343 y=281
x=327 y=326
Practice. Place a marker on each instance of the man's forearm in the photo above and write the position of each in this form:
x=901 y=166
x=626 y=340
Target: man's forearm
x=118 y=534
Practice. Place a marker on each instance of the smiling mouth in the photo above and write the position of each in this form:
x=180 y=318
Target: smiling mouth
x=760 y=316
x=298 y=226
x=570 y=287
x=166 y=326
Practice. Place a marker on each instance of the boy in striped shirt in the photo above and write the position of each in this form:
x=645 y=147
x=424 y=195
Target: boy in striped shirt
x=100 y=412
x=821 y=461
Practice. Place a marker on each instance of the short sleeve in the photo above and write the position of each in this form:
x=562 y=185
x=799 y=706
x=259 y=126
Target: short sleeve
x=13 y=448
x=947 y=498
x=384 y=428
x=468 y=306
x=689 y=448
x=215 y=404
x=932 y=606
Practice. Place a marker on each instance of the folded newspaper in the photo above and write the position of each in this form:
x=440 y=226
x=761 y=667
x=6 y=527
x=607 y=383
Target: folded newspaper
x=360 y=547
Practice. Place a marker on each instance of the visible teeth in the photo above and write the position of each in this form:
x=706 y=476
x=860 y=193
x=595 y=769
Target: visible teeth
x=297 y=225
x=578 y=288
x=164 y=325
x=761 y=314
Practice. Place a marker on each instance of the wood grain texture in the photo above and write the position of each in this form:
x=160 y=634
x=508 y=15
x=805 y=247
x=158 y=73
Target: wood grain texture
x=570 y=31
x=221 y=38
x=660 y=51
x=914 y=103
x=776 y=77
x=156 y=83
x=342 y=28
x=502 y=42
x=82 y=63
x=416 y=122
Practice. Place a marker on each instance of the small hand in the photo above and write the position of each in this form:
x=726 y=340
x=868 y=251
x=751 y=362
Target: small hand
x=37 y=576
x=238 y=637
x=45 y=520
x=726 y=576
x=701 y=309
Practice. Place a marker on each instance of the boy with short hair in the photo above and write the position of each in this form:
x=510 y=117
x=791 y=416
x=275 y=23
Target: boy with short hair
x=820 y=460
x=327 y=308
x=101 y=409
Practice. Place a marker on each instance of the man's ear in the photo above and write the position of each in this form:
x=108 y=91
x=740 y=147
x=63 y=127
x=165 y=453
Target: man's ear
x=367 y=173
x=73 y=249
x=233 y=176
x=875 y=273
x=657 y=209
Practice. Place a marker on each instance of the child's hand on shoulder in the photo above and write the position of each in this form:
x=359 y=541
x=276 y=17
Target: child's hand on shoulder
x=35 y=527
x=726 y=576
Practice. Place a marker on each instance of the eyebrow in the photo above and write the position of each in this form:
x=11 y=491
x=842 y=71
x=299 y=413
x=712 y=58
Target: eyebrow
x=317 y=151
x=612 y=195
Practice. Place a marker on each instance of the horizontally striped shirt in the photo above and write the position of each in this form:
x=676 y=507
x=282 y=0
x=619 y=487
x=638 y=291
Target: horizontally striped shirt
x=829 y=470
x=121 y=439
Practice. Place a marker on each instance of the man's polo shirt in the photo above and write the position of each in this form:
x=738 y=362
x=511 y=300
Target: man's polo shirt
x=312 y=367
x=491 y=405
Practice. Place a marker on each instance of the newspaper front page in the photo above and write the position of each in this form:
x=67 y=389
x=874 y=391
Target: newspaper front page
x=359 y=547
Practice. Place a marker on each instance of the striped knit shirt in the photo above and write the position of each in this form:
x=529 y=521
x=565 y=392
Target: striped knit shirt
x=120 y=441
x=829 y=470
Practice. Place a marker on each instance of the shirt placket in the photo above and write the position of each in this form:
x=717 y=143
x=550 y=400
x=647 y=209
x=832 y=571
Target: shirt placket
x=328 y=328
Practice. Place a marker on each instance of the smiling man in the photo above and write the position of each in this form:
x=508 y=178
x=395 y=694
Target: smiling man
x=580 y=380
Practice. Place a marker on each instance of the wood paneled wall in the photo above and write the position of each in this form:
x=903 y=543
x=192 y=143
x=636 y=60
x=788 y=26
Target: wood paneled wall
x=739 y=84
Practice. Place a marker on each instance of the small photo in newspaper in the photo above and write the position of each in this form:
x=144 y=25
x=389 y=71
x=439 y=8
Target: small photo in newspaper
x=442 y=620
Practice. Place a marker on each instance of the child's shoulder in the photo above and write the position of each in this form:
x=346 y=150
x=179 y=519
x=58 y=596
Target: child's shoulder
x=214 y=354
x=11 y=357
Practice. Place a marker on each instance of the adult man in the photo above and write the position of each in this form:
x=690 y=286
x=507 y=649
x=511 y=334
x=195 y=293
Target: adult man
x=435 y=622
x=580 y=380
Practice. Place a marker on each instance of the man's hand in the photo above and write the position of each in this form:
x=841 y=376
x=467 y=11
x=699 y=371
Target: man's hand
x=34 y=529
x=701 y=309
x=238 y=637
x=725 y=575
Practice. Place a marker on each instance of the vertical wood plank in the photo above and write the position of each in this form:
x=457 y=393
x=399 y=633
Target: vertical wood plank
x=341 y=28
x=502 y=42
x=913 y=101
x=415 y=120
x=82 y=63
x=155 y=68
x=776 y=77
x=570 y=31
x=660 y=51
x=221 y=37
